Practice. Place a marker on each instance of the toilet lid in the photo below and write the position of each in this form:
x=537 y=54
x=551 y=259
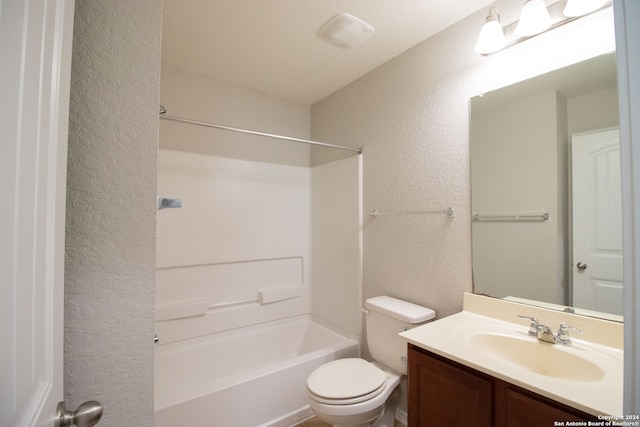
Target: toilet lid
x=345 y=379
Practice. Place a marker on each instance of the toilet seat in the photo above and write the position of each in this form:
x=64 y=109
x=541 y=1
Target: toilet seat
x=346 y=381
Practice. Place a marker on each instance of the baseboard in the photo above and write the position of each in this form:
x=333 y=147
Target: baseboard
x=402 y=418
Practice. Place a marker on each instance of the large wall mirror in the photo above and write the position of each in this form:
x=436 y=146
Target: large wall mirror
x=545 y=182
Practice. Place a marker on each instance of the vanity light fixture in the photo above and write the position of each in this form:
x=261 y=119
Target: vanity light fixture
x=536 y=18
x=491 y=37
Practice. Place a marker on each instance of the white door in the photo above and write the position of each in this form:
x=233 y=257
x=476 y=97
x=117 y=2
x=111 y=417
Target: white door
x=597 y=221
x=35 y=64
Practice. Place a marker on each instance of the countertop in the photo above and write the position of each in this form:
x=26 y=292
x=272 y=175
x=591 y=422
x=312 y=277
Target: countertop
x=448 y=337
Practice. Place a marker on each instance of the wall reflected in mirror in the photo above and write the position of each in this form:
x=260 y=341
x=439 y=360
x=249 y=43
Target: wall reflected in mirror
x=545 y=185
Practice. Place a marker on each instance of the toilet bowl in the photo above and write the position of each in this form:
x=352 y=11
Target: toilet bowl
x=353 y=392
x=357 y=393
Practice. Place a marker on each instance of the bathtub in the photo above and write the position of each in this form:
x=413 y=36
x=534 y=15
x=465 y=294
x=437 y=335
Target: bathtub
x=254 y=376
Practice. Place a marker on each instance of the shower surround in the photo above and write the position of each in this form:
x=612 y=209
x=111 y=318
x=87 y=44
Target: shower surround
x=263 y=244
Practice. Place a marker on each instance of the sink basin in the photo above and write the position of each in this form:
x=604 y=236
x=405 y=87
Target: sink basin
x=534 y=356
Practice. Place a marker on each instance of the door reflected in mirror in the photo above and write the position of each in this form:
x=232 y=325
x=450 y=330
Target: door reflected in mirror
x=596 y=221
x=525 y=239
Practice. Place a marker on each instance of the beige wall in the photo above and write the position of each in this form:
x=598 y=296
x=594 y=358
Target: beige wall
x=411 y=117
x=192 y=96
x=593 y=111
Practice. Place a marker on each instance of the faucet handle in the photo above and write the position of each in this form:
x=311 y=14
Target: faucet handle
x=533 y=327
x=563 y=333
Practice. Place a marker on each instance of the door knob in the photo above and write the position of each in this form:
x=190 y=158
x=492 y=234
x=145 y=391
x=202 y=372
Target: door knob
x=581 y=266
x=88 y=414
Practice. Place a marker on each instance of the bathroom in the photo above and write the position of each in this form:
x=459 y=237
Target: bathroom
x=192 y=96
x=415 y=159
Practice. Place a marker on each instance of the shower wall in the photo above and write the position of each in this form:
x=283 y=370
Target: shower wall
x=237 y=252
x=261 y=235
x=336 y=244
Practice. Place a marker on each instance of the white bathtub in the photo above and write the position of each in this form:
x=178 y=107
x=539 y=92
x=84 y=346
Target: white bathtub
x=255 y=376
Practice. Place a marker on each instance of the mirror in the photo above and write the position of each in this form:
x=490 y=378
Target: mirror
x=538 y=236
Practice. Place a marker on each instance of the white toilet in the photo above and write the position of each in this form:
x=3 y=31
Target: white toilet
x=358 y=393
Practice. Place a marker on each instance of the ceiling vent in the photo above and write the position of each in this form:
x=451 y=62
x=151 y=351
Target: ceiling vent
x=345 y=31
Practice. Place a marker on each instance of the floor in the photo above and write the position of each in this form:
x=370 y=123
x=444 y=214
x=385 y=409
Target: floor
x=314 y=422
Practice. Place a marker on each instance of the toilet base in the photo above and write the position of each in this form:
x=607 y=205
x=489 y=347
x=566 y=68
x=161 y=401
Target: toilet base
x=388 y=418
x=380 y=417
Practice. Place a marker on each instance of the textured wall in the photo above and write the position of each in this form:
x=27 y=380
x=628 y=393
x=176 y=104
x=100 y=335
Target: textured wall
x=110 y=248
x=411 y=117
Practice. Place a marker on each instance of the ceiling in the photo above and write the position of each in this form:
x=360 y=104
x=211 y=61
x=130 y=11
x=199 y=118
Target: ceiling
x=271 y=45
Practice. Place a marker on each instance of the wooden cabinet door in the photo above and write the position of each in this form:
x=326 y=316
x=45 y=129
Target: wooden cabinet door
x=518 y=407
x=443 y=395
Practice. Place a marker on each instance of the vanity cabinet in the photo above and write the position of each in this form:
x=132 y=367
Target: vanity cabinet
x=445 y=393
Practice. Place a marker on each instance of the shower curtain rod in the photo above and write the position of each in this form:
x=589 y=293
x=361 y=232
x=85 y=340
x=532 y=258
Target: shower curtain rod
x=253 y=132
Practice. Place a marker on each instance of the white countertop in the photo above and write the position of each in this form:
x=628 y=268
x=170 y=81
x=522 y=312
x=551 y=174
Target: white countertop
x=448 y=338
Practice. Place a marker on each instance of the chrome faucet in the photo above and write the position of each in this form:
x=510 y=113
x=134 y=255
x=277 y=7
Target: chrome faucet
x=533 y=327
x=544 y=333
x=563 y=336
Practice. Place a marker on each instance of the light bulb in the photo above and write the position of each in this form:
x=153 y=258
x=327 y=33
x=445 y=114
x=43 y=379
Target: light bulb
x=491 y=38
x=534 y=19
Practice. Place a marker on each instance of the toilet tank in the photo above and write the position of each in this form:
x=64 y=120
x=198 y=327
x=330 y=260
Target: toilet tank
x=386 y=318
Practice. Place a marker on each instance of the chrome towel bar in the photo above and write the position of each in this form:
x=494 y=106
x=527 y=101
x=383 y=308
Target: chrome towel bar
x=522 y=216
x=450 y=212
